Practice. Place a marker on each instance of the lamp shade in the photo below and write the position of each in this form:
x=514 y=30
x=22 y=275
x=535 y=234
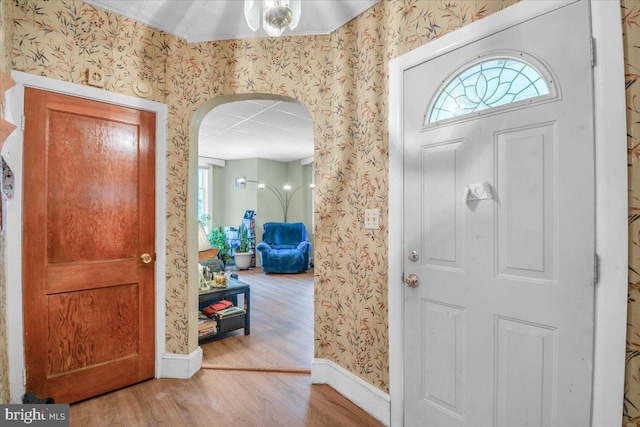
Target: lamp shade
x=203 y=240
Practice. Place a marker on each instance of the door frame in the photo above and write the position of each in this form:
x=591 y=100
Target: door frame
x=13 y=147
x=611 y=196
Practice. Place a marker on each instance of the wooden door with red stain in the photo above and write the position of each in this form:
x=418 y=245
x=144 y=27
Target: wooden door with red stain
x=89 y=219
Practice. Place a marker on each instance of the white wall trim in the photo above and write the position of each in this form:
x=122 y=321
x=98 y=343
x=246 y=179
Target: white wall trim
x=395 y=288
x=611 y=197
x=12 y=149
x=367 y=396
x=612 y=230
x=211 y=161
x=181 y=366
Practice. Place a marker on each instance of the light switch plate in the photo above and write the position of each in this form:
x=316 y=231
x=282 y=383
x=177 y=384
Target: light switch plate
x=372 y=219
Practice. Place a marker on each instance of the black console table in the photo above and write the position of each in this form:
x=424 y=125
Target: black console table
x=230 y=292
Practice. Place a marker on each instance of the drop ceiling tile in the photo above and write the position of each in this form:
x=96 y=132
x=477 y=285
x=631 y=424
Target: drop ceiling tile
x=282 y=120
x=275 y=117
x=207 y=140
x=259 y=129
x=213 y=128
x=239 y=109
x=266 y=102
x=208 y=150
x=278 y=135
x=219 y=120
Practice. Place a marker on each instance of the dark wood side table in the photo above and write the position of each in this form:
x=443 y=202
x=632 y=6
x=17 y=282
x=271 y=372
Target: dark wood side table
x=230 y=292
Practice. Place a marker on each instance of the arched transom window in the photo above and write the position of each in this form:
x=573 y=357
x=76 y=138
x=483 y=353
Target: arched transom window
x=488 y=84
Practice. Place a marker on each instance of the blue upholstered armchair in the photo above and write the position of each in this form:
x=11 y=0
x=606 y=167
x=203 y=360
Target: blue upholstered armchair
x=285 y=247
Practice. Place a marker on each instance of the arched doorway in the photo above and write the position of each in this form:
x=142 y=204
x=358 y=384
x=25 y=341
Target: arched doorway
x=256 y=138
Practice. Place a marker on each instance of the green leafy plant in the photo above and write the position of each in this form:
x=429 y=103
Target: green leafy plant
x=218 y=239
x=245 y=242
x=205 y=219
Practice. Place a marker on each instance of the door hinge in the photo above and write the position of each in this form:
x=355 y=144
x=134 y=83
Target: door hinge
x=24 y=377
x=22 y=120
x=596 y=268
x=593 y=52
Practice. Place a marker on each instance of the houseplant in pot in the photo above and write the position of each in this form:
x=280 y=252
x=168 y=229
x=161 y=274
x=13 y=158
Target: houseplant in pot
x=243 y=253
x=218 y=239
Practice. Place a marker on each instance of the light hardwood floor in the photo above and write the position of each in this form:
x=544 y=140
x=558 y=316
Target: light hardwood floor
x=281 y=337
x=281 y=325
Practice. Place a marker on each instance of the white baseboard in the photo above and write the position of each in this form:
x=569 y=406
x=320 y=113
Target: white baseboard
x=368 y=397
x=181 y=366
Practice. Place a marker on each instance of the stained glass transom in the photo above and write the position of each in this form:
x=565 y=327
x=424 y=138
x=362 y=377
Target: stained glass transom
x=487 y=85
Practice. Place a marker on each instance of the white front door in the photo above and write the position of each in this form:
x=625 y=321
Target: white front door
x=499 y=330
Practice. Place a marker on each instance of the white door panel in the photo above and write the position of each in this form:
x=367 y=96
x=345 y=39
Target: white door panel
x=442 y=224
x=499 y=331
x=526 y=182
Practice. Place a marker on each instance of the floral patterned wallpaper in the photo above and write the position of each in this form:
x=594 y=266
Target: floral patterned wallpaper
x=342 y=79
x=5 y=48
x=5 y=61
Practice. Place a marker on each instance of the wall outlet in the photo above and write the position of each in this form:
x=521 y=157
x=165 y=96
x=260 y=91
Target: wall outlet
x=372 y=219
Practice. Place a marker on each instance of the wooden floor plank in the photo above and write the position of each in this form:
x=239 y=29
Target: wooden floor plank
x=219 y=398
x=281 y=324
x=264 y=396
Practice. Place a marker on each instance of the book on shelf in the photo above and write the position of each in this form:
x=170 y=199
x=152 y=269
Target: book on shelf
x=207 y=326
x=207 y=332
x=206 y=323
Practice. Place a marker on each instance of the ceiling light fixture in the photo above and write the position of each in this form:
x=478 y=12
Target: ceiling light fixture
x=276 y=15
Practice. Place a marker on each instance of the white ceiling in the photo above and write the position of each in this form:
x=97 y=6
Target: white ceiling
x=207 y=20
x=266 y=129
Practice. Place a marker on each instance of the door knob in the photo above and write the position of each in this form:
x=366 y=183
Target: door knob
x=411 y=281
x=145 y=258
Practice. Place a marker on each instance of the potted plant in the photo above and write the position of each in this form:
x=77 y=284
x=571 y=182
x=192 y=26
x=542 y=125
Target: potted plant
x=218 y=239
x=243 y=253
